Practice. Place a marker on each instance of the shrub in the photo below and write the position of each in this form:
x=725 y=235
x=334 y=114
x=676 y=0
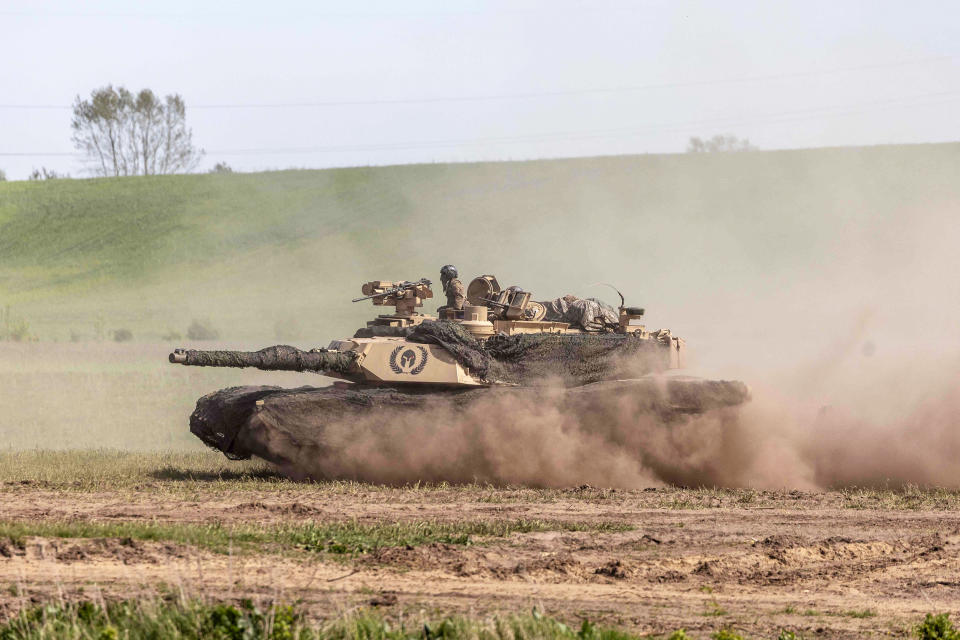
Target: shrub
x=937 y=627
x=14 y=328
x=221 y=167
x=122 y=335
x=719 y=144
x=202 y=330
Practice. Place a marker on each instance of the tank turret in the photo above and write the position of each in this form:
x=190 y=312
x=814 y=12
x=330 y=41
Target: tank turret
x=400 y=349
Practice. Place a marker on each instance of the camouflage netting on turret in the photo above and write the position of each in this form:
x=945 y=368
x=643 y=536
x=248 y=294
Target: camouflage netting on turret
x=574 y=359
x=455 y=339
x=544 y=357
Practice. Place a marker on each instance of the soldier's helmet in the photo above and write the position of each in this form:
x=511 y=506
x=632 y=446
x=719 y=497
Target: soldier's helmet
x=448 y=272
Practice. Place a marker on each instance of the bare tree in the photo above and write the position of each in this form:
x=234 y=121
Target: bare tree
x=719 y=143
x=127 y=135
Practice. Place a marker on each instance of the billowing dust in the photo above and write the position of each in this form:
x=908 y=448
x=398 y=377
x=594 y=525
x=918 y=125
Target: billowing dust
x=540 y=440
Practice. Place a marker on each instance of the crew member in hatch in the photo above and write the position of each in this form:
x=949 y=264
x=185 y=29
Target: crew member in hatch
x=452 y=288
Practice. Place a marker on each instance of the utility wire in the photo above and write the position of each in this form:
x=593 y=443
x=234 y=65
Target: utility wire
x=534 y=94
x=811 y=113
x=366 y=15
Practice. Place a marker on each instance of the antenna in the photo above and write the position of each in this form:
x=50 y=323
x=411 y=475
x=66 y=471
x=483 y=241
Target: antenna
x=623 y=302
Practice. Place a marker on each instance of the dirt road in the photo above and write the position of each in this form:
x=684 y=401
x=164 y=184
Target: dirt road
x=827 y=565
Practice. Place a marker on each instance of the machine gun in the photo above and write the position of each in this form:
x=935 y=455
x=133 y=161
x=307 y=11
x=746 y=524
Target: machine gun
x=384 y=289
x=405 y=296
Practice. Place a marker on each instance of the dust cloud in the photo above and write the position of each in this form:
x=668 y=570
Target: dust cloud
x=837 y=302
x=825 y=279
x=551 y=438
x=543 y=437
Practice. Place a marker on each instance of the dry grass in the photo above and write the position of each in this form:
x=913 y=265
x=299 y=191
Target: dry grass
x=204 y=474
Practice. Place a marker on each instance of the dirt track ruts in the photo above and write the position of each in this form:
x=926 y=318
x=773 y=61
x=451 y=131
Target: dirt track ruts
x=828 y=571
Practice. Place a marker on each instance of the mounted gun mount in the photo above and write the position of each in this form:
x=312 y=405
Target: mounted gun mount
x=501 y=339
x=404 y=296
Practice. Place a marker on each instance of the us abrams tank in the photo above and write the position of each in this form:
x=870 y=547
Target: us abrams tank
x=503 y=351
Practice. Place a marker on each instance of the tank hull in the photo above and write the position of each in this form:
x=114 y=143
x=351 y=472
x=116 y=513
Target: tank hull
x=297 y=429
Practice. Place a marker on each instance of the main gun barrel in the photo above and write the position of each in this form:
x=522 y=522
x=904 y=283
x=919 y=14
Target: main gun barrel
x=279 y=358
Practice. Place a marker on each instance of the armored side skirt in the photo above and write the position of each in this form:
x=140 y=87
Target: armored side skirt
x=297 y=428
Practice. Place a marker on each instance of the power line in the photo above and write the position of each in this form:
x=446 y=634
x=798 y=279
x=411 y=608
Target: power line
x=726 y=121
x=535 y=94
x=300 y=15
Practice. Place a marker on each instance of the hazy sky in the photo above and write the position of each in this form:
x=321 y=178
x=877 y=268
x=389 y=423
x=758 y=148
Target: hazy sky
x=423 y=81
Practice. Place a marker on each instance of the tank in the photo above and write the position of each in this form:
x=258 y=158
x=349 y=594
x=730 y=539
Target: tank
x=581 y=355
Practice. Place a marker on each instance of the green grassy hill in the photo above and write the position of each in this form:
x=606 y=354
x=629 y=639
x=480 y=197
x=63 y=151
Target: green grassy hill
x=268 y=254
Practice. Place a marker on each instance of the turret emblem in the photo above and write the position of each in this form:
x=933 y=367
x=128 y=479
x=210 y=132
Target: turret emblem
x=410 y=360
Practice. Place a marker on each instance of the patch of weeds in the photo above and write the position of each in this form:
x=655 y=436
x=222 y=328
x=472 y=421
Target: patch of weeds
x=680 y=503
x=713 y=607
x=727 y=634
x=910 y=497
x=715 y=610
x=679 y=634
x=937 y=627
x=143 y=619
x=14 y=328
x=812 y=612
x=787 y=635
x=865 y=613
x=790 y=609
x=156 y=619
x=339 y=538
x=355 y=538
